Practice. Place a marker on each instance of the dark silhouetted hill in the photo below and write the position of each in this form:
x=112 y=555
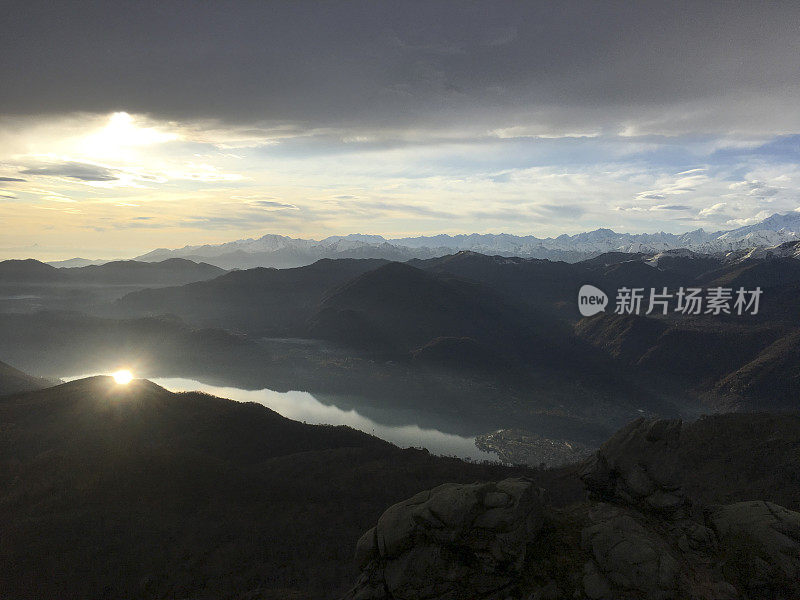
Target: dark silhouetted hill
x=13 y=380
x=771 y=380
x=97 y=415
x=540 y=283
x=399 y=312
x=398 y=308
x=553 y=286
x=136 y=492
x=27 y=271
x=262 y=301
x=111 y=491
x=173 y=271
x=70 y=343
x=752 y=273
x=30 y=286
x=732 y=364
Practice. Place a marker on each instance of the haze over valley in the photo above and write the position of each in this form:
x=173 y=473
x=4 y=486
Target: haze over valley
x=464 y=343
x=443 y=300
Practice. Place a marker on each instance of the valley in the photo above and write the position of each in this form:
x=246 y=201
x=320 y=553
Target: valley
x=476 y=343
x=273 y=410
x=441 y=300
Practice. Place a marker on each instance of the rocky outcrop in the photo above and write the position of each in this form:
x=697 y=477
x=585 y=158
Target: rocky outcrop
x=628 y=555
x=766 y=537
x=639 y=536
x=453 y=541
x=639 y=466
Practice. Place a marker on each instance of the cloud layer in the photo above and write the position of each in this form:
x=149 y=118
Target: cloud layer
x=125 y=126
x=539 y=67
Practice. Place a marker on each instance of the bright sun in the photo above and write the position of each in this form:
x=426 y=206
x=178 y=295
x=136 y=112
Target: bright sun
x=123 y=377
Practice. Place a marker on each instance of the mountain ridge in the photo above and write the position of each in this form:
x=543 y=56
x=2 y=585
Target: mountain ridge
x=133 y=491
x=13 y=381
x=170 y=270
x=283 y=251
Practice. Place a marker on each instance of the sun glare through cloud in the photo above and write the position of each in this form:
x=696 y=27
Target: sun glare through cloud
x=122 y=133
x=267 y=269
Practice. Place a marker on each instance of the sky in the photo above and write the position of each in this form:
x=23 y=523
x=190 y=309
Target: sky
x=127 y=126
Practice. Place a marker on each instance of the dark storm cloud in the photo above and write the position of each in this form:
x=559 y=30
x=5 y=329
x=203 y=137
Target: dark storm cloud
x=74 y=170
x=401 y=64
x=11 y=179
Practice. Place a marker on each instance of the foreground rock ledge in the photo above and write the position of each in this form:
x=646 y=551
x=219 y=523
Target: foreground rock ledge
x=452 y=541
x=638 y=537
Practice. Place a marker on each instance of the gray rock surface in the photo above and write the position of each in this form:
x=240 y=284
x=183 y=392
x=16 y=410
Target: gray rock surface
x=638 y=537
x=639 y=466
x=452 y=541
x=773 y=530
x=631 y=557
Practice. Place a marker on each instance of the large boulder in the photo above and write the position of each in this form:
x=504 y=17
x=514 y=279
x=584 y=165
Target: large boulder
x=763 y=535
x=639 y=466
x=640 y=536
x=454 y=541
x=627 y=555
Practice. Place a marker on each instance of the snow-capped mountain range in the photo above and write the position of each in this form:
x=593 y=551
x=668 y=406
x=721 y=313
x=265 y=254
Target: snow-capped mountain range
x=281 y=251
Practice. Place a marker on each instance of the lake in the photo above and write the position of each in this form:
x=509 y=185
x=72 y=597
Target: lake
x=400 y=427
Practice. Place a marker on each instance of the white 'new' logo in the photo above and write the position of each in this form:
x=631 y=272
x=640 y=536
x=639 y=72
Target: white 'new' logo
x=591 y=300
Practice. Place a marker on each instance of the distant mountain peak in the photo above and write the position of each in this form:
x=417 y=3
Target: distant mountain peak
x=274 y=250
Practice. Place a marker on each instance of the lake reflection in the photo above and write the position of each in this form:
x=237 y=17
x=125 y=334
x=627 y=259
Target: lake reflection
x=303 y=406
